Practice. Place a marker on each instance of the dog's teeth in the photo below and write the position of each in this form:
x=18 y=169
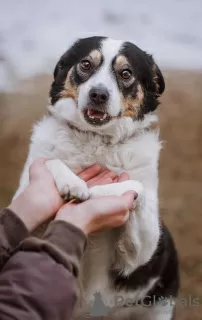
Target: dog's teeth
x=101 y=119
x=104 y=117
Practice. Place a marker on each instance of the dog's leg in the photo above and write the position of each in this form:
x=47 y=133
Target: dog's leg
x=69 y=185
x=138 y=238
x=118 y=189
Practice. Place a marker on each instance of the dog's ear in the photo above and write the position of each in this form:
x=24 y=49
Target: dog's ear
x=59 y=75
x=158 y=79
x=59 y=67
x=154 y=79
x=56 y=70
x=153 y=84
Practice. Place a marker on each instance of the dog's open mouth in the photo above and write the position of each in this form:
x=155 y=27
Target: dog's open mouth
x=96 y=117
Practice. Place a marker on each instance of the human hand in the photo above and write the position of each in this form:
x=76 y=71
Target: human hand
x=41 y=199
x=99 y=213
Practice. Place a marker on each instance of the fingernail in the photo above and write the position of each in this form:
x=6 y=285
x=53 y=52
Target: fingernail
x=133 y=193
x=130 y=198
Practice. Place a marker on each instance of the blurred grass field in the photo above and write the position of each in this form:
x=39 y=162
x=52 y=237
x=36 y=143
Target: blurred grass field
x=180 y=187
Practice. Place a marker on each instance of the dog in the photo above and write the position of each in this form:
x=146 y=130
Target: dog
x=102 y=102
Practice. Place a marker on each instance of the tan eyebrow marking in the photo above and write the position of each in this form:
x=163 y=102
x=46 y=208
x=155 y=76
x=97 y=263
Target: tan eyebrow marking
x=96 y=56
x=121 y=61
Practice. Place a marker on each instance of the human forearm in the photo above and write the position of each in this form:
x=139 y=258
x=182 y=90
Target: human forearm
x=12 y=232
x=40 y=279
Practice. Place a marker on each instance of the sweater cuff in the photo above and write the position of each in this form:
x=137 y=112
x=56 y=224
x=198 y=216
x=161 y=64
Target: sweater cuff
x=67 y=237
x=12 y=232
x=63 y=241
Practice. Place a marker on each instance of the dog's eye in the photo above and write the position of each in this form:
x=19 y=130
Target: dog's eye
x=85 y=65
x=126 y=74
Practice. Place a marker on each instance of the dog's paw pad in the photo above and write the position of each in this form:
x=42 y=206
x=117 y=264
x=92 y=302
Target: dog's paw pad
x=65 y=193
x=80 y=192
x=77 y=192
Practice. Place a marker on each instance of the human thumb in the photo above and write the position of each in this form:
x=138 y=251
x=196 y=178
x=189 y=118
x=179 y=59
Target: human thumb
x=129 y=197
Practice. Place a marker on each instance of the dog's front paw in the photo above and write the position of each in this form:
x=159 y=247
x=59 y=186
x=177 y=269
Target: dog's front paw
x=118 y=189
x=132 y=185
x=68 y=184
x=79 y=191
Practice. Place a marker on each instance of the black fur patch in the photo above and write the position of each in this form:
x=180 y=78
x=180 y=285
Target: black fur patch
x=147 y=74
x=79 y=50
x=163 y=264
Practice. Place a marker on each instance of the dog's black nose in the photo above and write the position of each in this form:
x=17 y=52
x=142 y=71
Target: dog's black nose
x=99 y=95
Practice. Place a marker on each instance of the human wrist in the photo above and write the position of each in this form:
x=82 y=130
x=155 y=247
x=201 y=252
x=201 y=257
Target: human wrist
x=75 y=218
x=26 y=207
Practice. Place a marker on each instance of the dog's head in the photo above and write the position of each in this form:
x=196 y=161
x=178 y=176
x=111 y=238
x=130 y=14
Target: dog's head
x=104 y=81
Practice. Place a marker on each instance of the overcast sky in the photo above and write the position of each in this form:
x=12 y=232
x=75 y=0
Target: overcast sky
x=34 y=33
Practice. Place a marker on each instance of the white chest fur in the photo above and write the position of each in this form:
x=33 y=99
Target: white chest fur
x=137 y=155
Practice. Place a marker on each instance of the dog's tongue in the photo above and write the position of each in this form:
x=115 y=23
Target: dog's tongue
x=95 y=114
